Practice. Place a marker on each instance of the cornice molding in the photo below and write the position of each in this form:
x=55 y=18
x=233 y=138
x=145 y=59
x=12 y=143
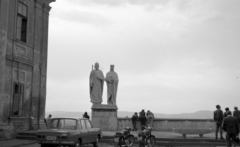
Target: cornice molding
x=48 y=1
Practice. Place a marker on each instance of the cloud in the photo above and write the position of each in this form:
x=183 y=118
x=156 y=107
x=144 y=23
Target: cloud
x=119 y=2
x=84 y=17
x=171 y=52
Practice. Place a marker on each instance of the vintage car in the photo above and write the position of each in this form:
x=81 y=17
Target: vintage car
x=72 y=132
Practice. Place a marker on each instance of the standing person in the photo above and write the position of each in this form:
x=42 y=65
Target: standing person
x=150 y=118
x=112 y=86
x=48 y=119
x=226 y=112
x=134 y=121
x=85 y=115
x=218 y=118
x=143 y=118
x=96 y=82
x=236 y=113
x=30 y=121
x=230 y=125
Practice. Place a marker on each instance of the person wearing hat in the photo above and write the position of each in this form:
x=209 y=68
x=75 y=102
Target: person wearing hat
x=218 y=118
x=230 y=125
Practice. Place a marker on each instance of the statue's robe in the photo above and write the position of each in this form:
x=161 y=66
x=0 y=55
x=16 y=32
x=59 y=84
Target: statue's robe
x=96 y=90
x=112 y=87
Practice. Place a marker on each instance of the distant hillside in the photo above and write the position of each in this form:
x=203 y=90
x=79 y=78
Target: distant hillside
x=205 y=114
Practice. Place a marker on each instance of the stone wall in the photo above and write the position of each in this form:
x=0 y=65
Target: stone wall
x=167 y=124
x=3 y=46
x=23 y=63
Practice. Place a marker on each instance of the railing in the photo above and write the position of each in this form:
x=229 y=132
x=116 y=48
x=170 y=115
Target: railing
x=167 y=124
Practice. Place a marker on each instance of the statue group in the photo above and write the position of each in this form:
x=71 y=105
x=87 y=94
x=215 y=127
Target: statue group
x=96 y=85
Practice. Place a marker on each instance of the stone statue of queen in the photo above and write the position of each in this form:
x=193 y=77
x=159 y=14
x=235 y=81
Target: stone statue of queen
x=112 y=85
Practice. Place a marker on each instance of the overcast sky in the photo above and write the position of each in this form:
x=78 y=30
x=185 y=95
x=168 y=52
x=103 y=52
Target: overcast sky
x=171 y=56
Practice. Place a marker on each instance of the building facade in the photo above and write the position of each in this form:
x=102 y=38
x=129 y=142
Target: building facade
x=23 y=61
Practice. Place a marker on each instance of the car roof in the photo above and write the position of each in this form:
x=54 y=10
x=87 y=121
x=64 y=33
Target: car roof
x=69 y=118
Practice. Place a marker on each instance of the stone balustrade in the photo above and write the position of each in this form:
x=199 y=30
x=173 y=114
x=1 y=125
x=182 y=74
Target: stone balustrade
x=167 y=124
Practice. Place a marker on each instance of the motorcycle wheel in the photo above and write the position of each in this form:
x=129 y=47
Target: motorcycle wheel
x=131 y=140
x=115 y=144
x=151 y=142
x=141 y=144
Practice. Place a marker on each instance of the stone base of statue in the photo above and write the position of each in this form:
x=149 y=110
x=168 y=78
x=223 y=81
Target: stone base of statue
x=104 y=117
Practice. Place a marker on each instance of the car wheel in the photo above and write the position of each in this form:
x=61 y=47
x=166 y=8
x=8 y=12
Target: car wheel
x=96 y=143
x=78 y=144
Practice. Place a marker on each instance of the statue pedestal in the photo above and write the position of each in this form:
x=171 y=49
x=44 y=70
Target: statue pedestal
x=104 y=117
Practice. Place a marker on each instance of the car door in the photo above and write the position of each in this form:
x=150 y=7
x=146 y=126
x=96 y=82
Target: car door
x=92 y=133
x=84 y=132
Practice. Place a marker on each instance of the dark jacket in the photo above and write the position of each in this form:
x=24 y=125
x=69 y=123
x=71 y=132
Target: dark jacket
x=142 y=116
x=218 y=116
x=225 y=114
x=236 y=114
x=86 y=116
x=134 y=117
x=230 y=125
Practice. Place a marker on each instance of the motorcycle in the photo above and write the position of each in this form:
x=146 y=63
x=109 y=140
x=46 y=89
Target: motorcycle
x=124 y=138
x=145 y=138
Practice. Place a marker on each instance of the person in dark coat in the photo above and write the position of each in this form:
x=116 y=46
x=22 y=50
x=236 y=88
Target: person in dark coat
x=142 y=118
x=236 y=113
x=230 y=125
x=134 y=121
x=85 y=115
x=48 y=120
x=218 y=118
x=226 y=112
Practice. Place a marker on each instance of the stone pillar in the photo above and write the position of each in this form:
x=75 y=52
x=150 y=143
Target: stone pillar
x=104 y=117
x=44 y=55
x=3 y=46
x=36 y=89
x=40 y=60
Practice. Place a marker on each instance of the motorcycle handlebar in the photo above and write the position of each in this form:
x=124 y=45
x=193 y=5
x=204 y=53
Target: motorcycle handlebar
x=144 y=126
x=124 y=127
x=149 y=128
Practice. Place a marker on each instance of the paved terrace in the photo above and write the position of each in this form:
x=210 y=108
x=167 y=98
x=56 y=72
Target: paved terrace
x=163 y=139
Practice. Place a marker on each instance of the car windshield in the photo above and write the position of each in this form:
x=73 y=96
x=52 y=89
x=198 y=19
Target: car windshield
x=63 y=123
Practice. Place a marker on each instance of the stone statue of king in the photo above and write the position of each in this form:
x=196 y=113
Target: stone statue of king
x=96 y=82
x=112 y=85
